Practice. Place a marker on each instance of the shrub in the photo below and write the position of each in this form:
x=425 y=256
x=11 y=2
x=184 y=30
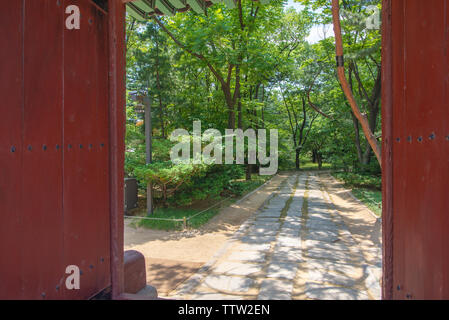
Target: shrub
x=360 y=180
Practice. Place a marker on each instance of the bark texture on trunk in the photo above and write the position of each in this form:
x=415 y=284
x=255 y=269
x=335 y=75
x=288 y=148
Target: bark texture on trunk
x=345 y=85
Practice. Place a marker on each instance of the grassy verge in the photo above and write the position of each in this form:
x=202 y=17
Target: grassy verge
x=241 y=187
x=365 y=187
x=371 y=198
x=177 y=214
x=305 y=165
x=359 y=180
x=238 y=189
x=314 y=166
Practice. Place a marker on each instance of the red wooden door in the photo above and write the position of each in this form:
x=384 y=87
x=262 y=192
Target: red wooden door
x=54 y=150
x=416 y=149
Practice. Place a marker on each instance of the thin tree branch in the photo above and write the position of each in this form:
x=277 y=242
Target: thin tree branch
x=314 y=107
x=344 y=83
x=242 y=24
x=197 y=55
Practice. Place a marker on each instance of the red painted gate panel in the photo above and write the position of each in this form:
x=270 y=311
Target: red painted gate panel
x=41 y=205
x=417 y=200
x=86 y=173
x=54 y=150
x=11 y=106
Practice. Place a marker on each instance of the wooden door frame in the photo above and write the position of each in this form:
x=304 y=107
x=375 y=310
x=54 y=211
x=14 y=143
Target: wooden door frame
x=117 y=89
x=387 y=152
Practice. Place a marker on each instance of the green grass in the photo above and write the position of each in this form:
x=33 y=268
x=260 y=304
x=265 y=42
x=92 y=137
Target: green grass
x=314 y=166
x=239 y=188
x=177 y=213
x=371 y=198
x=305 y=164
x=359 y=180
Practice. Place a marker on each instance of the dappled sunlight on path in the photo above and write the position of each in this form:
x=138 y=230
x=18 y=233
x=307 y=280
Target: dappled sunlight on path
x=301 y=244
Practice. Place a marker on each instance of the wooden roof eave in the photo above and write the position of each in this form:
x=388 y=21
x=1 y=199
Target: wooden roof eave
x=142 y=10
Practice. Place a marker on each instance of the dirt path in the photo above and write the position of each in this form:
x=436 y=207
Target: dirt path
x=308 y=241
x=301 y=236
x=173 y=257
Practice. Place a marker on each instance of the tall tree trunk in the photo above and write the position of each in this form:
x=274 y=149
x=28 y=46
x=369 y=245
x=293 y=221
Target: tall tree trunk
x=345 y=84
x=164 y=196
x=320 y=162
x=237 y=96
x=297 y=160
x=248 y=172
x=239 y=114
x=231 y=117
x=230 y=103
x=372 y=103
x=357 y=138
x=366 y=156
x=373 y=122
x=161 y=106
x=159 y=87
x=262 y=111
x=372 y=118
x=355 y=121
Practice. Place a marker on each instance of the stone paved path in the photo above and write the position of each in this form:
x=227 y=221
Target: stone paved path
x=296 y=246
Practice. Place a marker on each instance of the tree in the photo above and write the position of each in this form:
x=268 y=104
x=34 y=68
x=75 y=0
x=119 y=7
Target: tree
x=226 y=41
x=243 y=68
x=362 y=48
